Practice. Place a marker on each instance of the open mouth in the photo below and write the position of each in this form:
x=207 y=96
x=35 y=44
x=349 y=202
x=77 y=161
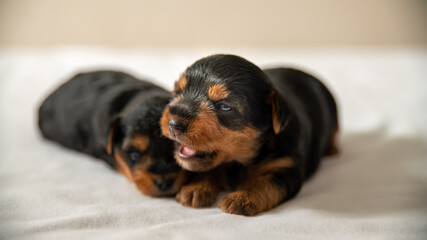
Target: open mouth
x=190 y=154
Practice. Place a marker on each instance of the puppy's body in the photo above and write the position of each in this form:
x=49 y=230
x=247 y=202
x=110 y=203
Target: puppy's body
x=264 y=132
x=79 y=114
x=312 y=118
x=114 y=117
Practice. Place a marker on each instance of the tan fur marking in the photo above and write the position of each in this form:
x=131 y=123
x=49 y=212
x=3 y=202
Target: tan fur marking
x=140 y=142
x=332 y=148
x=202 y=191
x=276 y=123
x=217 y=92
x=123 y=167
x=272 y=100
x=144 y=182
x=258 y=195
x=110 y=142
x=265 y=193
x=272 y=166
x=143 y=179
x=206 y=134
x=181 y=178
x=166 y=117
x=180 y=84
x=139 y=176
x=198 y=194
x=164 y=123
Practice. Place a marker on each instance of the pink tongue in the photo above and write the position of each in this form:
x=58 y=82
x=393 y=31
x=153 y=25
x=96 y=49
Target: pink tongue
x=187 y=151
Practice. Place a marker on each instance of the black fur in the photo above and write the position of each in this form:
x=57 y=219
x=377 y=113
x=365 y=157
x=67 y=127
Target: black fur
x=82 y=112
x=311 y=117
x=303 y=106
x=239 y=77
x=307 y=107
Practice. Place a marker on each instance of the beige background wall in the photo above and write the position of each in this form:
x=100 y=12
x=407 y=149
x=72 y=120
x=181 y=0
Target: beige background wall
x=266 y=23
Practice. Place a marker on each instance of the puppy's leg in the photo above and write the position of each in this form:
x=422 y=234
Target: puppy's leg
x=202 y=191
x=268 y=184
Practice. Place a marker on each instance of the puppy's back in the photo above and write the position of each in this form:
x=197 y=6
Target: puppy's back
x=289 y=81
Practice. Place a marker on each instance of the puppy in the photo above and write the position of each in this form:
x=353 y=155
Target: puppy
x=115 y=117
x=258 y=133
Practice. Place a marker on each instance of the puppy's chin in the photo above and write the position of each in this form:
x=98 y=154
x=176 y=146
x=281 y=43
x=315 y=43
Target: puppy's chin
x=145 y=182
x=197 y=161
x=154 y=192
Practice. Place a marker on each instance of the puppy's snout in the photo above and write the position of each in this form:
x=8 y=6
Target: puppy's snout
x=183 y=110
x=181 y=114
x=177 y=127
x=164 y=184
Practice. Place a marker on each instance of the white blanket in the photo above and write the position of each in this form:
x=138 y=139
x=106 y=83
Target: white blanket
x=375 y=189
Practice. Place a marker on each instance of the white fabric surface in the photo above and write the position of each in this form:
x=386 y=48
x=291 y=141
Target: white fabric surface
x=375 y=189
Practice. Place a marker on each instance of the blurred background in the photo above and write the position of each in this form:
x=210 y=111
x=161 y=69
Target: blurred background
x=224 y=23
x=362 y=49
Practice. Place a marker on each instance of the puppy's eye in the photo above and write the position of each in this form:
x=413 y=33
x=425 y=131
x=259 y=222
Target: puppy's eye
x=223 y=107
x=135 y=155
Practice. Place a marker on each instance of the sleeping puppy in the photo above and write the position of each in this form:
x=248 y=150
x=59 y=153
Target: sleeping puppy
x=115 y=117
x=258 y=133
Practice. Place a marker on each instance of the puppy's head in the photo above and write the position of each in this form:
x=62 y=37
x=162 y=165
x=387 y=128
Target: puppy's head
x=141 y=153
x=222 y=110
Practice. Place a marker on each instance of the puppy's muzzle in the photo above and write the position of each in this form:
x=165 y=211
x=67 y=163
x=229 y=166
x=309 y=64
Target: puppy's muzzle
x=181 y=115
x=164 y=184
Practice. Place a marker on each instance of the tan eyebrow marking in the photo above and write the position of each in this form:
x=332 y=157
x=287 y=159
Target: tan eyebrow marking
x=218 y=92
x=140 y=142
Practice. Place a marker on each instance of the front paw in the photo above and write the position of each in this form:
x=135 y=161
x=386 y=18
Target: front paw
x=241 y=203
x=197 y=195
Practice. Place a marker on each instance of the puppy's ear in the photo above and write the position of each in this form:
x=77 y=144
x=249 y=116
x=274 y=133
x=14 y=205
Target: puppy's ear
x=115 y=135
x=280 y=111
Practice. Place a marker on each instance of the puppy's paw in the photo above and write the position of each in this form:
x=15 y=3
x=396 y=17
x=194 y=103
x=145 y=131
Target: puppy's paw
x=241 y=203
x=197 y=195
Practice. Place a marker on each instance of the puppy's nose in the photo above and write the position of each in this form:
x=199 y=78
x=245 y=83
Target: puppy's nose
x=177 y=127
x=163 y=184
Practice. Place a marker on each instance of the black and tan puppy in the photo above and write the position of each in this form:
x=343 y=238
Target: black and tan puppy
x=259 y=133
x=115 y=117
